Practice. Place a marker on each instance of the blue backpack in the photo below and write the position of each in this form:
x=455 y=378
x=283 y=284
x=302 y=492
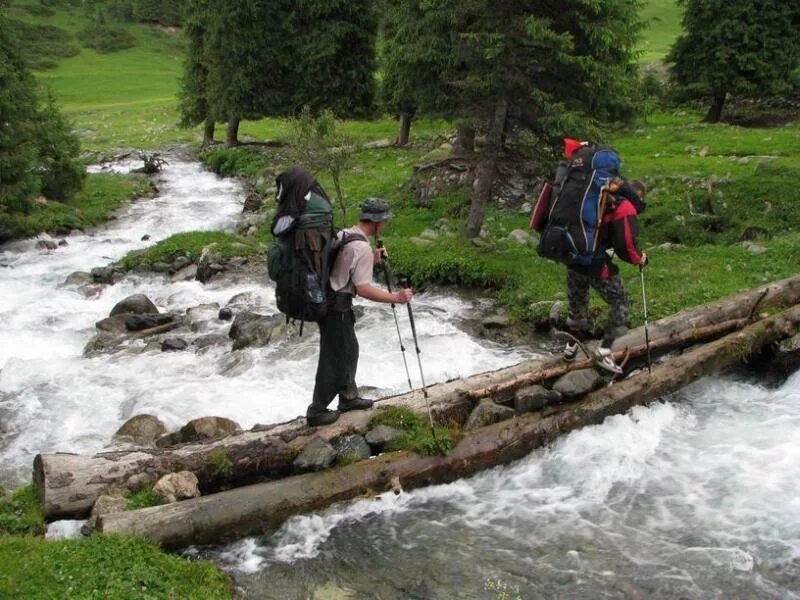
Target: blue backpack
x=572 y=231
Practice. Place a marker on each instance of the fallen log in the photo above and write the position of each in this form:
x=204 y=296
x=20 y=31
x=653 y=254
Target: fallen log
x=71 y=483
x=263 y=507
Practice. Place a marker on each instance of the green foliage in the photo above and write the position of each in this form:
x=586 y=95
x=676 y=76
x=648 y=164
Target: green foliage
x=190 y=244
x=418 y=436
x=103 y=567
x=19 y=182
x=220 y=462
x=106 y=38
x=42 y=45
x=21 y=513
x=140 y=499
x=101 y=195
x=233 y=162
x=61 y=171
x=736 y=47
x=320 y=145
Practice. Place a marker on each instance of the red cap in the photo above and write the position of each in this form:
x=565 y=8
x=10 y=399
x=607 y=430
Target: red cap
x=571 y=146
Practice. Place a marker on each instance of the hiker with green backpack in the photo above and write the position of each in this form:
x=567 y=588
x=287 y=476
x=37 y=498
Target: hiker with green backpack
x=317 y=272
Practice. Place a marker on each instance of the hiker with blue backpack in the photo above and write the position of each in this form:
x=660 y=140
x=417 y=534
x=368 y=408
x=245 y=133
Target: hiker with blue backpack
x=317 y=272
x=588 y=215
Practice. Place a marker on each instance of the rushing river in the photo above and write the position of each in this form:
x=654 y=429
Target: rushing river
x=696 y=496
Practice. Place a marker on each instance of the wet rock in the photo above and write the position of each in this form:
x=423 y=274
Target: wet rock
x=142 y=430
x=180 y=263
x=351 y=448
x=63 y=242
x=46 y=245
x=145 y=237
x=486 y=413
x=78 y=278
x=317 y=455
x=104 y=505
x=253 y=201
x=102 y=275
x=534 y=397
x=187 y=273
x=210 y=264
x=381 y=436
x=160 y=267
x=243 y=301
x=137 y=304
x=103 y=343
x=207 y=428
x=115 y=324
x=200 y=316
x=225 y=314
x=496 y=321
x=210 y=340
x=142 y=322
x=577 y=383
x=92 y=290
x=152 y=347
x=787 y=354
x=254 y=330
x=174 y=345
x=175 y=487
x=237 y=262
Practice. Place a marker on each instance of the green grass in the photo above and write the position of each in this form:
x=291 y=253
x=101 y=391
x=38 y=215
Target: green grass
x=141 y=499
x=663 y=19
x=103 y=567
x=190 y=244
x=417 y=435
x=20 y=513
x=102 y=194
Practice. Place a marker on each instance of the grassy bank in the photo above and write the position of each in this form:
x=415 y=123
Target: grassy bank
x=190 y=244
x=102 y=194
x=94 y=567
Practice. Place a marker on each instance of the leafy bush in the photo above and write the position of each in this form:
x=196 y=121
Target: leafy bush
x=230 y=162
x=42 y=45
x=106 y=38
x=21 y=512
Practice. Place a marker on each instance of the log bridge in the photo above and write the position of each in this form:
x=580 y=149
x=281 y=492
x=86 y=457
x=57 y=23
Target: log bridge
x=699 y=341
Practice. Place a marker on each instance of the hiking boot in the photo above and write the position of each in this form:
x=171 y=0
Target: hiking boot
x=355 y=404
x=321 y=417
x=604 y=358
x=570 y=351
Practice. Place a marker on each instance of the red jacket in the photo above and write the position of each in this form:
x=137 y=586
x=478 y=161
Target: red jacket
x=622 y=231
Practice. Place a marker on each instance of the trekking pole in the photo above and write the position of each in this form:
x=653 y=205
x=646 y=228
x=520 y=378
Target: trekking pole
x=416 y=347
x=388 y=274
x=421 y=375
x=646 y=330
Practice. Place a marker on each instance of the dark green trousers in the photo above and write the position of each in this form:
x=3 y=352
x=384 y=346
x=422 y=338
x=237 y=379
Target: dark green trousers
x=338 y=360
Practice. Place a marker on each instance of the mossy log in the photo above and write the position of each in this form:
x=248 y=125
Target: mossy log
x=71 y=483
x=263 y=507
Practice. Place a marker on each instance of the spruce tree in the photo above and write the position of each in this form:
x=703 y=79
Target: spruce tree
x=747 y=48
x=19 y=180
x=513 y=67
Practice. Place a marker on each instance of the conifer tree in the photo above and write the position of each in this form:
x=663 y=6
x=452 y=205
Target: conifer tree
x=19 y=180
x=747 y=48
x=513 y=66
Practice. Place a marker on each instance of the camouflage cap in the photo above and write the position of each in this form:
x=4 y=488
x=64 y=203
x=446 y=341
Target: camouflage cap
x=375 y=210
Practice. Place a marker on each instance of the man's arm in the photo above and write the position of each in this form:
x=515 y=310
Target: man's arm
x=376 y=294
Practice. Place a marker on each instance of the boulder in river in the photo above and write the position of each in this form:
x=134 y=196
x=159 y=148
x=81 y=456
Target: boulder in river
x=251 y=329
x=210 y=263
x=78 y=278
x=143 y=430
x=201 y=429
x=174 y=345
x=147 y=321
x=136 y=304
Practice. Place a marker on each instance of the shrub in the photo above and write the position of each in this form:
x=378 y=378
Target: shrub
x=106 y=38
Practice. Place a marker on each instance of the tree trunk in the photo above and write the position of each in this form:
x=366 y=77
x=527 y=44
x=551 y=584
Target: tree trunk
x=262 y=508
x=70 y=483
x=465 y=140
x=714 y=113
x=485 y=171
x=208 y=132
x=232 y=133
x=404 y=129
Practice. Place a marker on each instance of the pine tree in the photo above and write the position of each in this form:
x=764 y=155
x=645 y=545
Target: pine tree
x=19 y=181
x=511 y=67
x=193 y=105
x=62 y=173
x=747 y=48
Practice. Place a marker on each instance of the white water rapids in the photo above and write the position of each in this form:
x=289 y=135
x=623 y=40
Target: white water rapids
x=693 y=497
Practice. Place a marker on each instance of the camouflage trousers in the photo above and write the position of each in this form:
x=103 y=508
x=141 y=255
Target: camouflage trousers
x=611 y=291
